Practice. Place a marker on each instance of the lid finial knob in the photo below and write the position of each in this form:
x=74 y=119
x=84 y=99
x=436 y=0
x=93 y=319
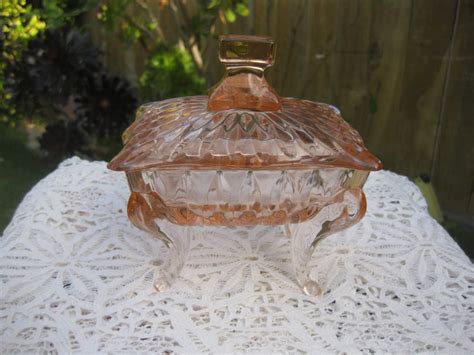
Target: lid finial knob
x=244 y=86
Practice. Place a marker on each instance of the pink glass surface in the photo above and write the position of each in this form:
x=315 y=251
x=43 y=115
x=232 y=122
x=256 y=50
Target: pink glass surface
x=242 y=157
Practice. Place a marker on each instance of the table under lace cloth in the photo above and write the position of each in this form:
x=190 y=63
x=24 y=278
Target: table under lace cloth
x=75 y=275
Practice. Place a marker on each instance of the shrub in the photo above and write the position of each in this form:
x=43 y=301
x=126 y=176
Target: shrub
x=170 y=73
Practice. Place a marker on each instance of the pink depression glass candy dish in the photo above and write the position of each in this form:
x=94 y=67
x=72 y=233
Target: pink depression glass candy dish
x=240 y=158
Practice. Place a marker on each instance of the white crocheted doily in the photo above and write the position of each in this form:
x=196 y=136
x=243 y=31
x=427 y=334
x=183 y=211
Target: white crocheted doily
x=75 y=275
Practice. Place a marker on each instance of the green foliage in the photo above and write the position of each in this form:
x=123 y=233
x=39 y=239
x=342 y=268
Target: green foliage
x=113 y=14
x=111 y=11
x=170 y=73
x=242 y=9
x=144 y=26
x=229 y=8
x=52 y=68
x=60 y=77
x=19 y=23
x=58 y=13
x=49 y=69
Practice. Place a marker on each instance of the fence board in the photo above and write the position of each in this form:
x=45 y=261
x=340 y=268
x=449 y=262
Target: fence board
x=454 y=167
x=404 y=134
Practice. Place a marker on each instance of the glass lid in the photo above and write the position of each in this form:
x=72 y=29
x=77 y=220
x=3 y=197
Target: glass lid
x=242 y=124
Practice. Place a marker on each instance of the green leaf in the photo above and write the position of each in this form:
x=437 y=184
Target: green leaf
x=242 y=9
x=152 y=25
x=53 y=13
x=213 y=4
x=229 y=15
x=170 y=73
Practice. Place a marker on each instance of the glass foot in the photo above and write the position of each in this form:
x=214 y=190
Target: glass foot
x=311 y=288
x=178 y=241
x=161 y=285
x=347 y=210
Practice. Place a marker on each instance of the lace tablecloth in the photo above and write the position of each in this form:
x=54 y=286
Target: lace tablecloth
x=75 y=275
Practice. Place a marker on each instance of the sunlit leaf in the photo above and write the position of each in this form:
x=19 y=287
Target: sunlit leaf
x=213 y=4
x=242 y=9
x=229 y=15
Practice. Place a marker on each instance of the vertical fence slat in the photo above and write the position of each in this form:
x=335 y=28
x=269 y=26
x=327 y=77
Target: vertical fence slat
x=454 y=166
x=404 y=136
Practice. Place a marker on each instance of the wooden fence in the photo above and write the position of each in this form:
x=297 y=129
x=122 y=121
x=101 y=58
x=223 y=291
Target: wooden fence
x=401 y=72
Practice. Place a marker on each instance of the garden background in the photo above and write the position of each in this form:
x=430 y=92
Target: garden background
x=401 y=71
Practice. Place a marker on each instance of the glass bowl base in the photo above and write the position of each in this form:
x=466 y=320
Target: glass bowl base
x=265 y=245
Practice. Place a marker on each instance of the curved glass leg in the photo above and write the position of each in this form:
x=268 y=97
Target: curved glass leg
x=347 y=209
x=144 y=213
x=302 y=249
x=176 y=257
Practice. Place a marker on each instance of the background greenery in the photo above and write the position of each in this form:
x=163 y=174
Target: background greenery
x=52 y=73
x=59 y=97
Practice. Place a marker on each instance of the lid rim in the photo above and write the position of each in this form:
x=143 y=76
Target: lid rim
x=209 y=165
x=186 y=120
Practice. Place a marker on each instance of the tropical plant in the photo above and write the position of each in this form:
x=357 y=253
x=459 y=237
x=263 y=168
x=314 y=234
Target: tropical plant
x=60 y=78
x=169 y=73
x=51 y=70
x=105 y=107
x=137 y=21
x=19 y=23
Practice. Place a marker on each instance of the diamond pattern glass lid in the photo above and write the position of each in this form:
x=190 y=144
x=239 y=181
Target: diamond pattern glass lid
x=242 y=124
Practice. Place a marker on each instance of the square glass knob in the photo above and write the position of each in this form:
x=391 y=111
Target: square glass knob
x=253 y=51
